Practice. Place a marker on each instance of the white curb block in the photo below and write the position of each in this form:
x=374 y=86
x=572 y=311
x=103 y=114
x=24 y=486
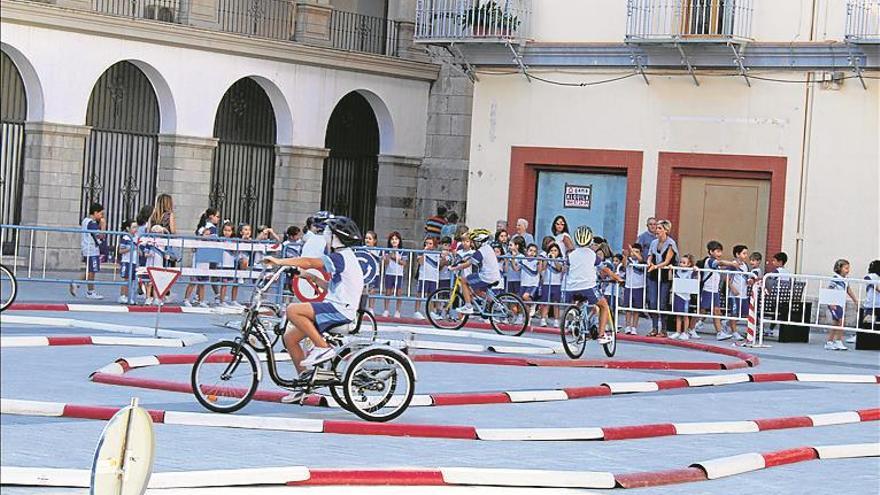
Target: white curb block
x=835 y=378
x=31 y=407
x=539 y=434
x=446 y=346
x=251 y=422
x=141 y=361
x=187 y=338
x=839 y=418
x=25 y=476
x=97 y=308
x=26 y=341
x=631 y=387
x=229 y=477
x=112 y=369
x=729 y=466
x=702 y=381
x=527 y=477
x=716 y=427
x=145 y=342
x=848 y=451
x=520 y=349
x=537 y=395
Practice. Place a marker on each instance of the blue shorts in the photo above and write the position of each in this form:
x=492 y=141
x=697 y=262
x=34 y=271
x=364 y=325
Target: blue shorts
x=633 y=297
x=475 y=282
x=327 y=316
x=681 y=304
x=531 y=290
x=93 y=263
x=128 y=271
x=393 y=282
x=512 y=286
x=551 y=293
x=426 y=287
x=445 y=283
x=592 y=296
x=835 y=312
x=738 y=307
x=709 y=300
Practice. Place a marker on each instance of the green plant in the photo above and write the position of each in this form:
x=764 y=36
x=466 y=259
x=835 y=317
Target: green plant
x=489 y=15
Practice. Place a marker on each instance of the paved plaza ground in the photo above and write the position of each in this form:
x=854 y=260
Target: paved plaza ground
x=61 y=374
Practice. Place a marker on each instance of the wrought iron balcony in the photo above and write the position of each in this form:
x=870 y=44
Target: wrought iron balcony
x=363 y=33
x=157 y=10
x=689 y=21
x=863 y=21
x=271 y=19
x=448 y=21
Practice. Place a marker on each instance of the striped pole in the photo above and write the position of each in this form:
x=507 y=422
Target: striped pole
x=751 y=331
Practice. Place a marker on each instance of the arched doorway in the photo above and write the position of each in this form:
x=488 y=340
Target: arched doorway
x=243 y=171
x=351 y=171
x=122 y=152
x=13 y=113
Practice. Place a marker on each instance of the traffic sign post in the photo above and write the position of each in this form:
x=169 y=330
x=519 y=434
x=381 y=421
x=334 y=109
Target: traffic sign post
x=162 y=279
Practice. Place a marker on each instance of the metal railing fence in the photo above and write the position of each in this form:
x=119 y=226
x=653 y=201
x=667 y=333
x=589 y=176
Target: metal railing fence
x=363 y=33
x=174 y=11
x=691 y=20
x=863 y=21
x=472 y=20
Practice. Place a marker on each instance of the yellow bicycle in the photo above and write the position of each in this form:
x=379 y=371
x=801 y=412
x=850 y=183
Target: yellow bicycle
x=506 y=312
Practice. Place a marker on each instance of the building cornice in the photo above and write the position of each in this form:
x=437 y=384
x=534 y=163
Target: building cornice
x=159 y=33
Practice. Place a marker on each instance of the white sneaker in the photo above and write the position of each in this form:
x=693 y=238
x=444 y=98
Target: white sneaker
x=467 y=309
x=675 y=336
x=418 y=315
x=605 y=339
x=684 y=336
x=722 y=335
x=851 y=339
x=693 y=334
x=737 y=337
x=148 y=301
x=94 y=295
x=698 y=325
x=542 y=322
x=236 y=305
x=318 y=355
x=553 y=323
x=840 y=346
x=385 y=314
x=123 y=300
x=73 y=288
x=532 y=311
x=397 y=314
x=187 y=303
x=830 y=345
x=519 y=320
x=436 y=316
x=293 y=397
x=633 y=331
x=204 y=304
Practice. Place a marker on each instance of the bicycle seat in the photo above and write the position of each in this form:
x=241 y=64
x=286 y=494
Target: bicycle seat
x=339 y=329
x=497 y=284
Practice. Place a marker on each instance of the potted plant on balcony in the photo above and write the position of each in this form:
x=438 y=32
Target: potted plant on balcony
x=488 y=19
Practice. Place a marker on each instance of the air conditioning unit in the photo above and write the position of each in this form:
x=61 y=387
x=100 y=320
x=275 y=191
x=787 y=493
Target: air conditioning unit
x=159 y=13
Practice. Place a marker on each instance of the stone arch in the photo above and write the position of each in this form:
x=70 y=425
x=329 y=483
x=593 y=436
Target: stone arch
x=33 y=87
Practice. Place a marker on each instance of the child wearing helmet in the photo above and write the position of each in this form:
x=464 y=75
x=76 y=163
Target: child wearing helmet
x=581 y=283
x=314 y=240
x=339 y=307
x=485 y=261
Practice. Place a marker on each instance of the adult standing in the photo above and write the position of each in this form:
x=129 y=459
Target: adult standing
x=434 y=225
x=662 y=253
x=559 y=230
x=522 y=230
x=162 y=222
x=451 y=226
x=648 y=236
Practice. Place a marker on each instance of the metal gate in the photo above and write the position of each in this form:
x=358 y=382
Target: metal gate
x=243 y=171
x=122 y=152
x=351 y=171
x=13 y=113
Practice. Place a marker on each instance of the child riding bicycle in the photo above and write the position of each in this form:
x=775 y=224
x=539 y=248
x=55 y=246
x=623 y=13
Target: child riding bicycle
x=486 y=262
x=339 y=307
x=582 y=277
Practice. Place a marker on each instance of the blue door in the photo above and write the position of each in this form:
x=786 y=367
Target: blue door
x=597 y=200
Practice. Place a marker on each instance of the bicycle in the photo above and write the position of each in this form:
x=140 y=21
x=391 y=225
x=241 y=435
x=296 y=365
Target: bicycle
x=8 y=287
x=506 y=312
x=368 y=377
x=577 y=327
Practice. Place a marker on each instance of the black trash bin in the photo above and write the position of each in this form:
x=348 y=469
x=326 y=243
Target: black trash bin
x=869 y=319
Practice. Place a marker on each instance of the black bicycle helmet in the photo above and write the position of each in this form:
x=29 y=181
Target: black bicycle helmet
x=319 y=219
x=346 y=230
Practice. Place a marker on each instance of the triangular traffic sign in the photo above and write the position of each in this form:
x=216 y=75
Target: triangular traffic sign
x=162 y=279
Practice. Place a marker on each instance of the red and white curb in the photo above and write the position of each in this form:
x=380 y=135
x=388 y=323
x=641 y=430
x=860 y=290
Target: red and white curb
x=172 y=338
x=455 y=432
x=458 y=476
x=112 y=374
x=120 y=308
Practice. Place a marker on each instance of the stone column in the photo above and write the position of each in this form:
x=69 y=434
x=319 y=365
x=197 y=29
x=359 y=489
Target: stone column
x=406 y=48
x=52 y=191
x=185 y=174
x=299 y=172
x=312 y=26
x=396 y=198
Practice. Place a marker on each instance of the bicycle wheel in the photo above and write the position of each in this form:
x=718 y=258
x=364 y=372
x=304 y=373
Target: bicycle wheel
x=610 y=331
x=367 y=325
x=379 y=384
x=336 y=391
x=574 y=338
x=508 y=315
x=225 y=377
x=443 y=312
x=8 y=288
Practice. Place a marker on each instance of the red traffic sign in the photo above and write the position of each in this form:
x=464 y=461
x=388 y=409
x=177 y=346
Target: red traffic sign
x=306 y=290
x=162 y=279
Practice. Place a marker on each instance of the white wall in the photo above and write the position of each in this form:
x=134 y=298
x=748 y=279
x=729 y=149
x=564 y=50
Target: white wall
x=190 y=84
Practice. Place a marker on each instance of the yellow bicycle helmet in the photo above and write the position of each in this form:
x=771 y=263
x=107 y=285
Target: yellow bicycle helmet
x=583 y=236
x=480 y=235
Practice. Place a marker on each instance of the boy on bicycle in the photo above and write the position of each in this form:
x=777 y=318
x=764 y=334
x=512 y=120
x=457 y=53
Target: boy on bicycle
x=339 y=307
x=485 y=261
x=583 y=270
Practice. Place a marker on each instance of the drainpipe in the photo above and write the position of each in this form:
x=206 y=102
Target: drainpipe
x=805 y=154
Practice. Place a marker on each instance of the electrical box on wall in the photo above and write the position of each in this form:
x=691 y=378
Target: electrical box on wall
x=831 y=80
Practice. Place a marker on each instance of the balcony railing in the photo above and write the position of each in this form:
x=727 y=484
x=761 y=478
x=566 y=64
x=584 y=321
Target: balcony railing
x=157 y=10
x=863 y=21
x=689 y=20
x=260 y=18
x=439 y=21
x=363 y=33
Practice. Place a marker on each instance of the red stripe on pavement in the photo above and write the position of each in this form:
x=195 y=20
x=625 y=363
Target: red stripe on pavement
x=104 y=412
x=783 y=423
x=38 y=307
x=789 y=456
x=128 y=381
x=773 y=377
x=869 y=414
x=400 y=430
x=464 y=359
x=367 y=477
x=640 y=431
x=659 y=478
x=465 y=399
x=69 y=340
x=581 y=392
x=675 y=383
x=177 y=358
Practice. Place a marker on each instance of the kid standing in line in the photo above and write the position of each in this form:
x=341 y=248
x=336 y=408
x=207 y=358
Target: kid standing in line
x=530 y=276
x=552 y=291
x=429 y=272
x=737 y=297
x=371 y=240
x=612 y=287
x=512 y=267
x=445 y=261
x=502 y=263
x=203 y=257
x=90 y=248
x=128 y=258
x=838 y=313
x=228 y=262
x=681 y=301
x=634 y=288
x=395 y=261
x=710 y=297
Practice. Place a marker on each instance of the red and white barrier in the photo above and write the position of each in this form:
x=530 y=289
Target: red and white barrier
x=169 y=338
